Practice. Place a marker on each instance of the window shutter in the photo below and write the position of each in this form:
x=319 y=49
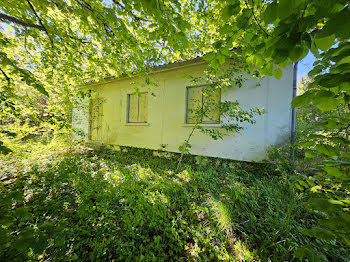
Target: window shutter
x=133 y=108
x=143 y=107
x=194 y=100
x=212 y=102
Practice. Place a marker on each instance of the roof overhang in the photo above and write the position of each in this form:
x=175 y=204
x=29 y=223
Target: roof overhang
x=154 y=70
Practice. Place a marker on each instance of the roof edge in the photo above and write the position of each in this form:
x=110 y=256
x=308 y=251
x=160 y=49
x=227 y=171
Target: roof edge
x=154 y=70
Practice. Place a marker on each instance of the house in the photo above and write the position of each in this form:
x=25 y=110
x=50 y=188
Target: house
x=160 y=117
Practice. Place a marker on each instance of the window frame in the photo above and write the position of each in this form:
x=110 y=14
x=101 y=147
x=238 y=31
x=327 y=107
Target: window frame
x=138 y=108
x=187 y=101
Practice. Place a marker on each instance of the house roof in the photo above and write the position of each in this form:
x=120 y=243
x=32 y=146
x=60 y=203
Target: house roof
x=170 y=66
x=179 y=63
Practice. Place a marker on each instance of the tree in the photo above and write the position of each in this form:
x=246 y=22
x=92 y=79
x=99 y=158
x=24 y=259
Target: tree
x=271 y=34
x=53 y=46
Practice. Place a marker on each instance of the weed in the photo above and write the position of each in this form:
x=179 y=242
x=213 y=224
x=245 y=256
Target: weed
x=131 y=205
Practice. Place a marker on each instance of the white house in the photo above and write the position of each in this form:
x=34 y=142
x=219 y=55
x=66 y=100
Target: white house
x=160 y=116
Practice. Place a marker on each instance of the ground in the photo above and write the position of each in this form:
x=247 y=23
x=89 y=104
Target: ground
x=131 y=205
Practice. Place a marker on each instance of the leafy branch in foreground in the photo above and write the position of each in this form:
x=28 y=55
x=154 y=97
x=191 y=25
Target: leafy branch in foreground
x=54 y=46
x=295 y=28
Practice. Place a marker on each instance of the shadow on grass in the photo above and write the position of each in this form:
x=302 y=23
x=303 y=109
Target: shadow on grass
x=131 y=206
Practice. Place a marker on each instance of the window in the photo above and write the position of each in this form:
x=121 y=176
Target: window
x=198 y=99
x=137 y=108
x=95 y=119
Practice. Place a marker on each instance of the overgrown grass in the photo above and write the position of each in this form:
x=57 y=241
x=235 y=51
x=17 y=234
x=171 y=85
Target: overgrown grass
x=131 y=206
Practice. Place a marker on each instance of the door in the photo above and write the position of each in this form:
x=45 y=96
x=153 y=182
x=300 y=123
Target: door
x=95 y=119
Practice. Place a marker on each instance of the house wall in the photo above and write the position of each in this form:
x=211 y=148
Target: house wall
x=166 y=115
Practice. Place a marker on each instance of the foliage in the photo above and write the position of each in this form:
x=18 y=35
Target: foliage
x=326 y=149
x=87 y=33
x=50 y=47
x=272 y=34
x=131 y=205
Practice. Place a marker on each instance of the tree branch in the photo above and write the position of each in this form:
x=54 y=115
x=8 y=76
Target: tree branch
x=15 y=20
x=98 y=15
x=8 y=79
x=256 y=20
x=41 y=22
x=137 y=18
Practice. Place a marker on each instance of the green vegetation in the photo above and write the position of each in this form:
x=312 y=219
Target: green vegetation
x=50 y=47
x=323 y=140
x=130 y=205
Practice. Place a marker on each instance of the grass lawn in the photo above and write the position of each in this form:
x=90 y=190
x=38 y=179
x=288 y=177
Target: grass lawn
x=131 y=206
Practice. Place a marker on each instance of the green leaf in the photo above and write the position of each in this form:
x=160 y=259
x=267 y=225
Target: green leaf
x=327 y=150
x=221 y=59
x=338 y=24
x=316 y=70
x=325 y=205
x=298 y=53
x=210 y=56
x=214 y=64
x=315 y=136
x=299 y=187
x=332 y=124
x=310 y=154
x=324 y=43
x=303 y=99
x=280 y=56
x=284 y=9
x=270 y=13
x=345 y=87
x=231 y=10
x=314 y=50
x=320 y=233
x=340 y=140
x=303 y=183
x=217 y=44
x=302 y=252
x=330 y=80
x=306 y=143
x=267 y=69
x=325 y=100
x=340 y=222
x=334 y=172
x=227 y=29
x=277 y=73
x=340 y=68
x=251 y=60
x=311 y=254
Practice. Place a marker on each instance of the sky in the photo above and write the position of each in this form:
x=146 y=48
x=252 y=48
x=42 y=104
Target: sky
x=305 y=65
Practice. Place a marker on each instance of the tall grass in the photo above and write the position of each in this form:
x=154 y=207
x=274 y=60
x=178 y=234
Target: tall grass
x=131 y=205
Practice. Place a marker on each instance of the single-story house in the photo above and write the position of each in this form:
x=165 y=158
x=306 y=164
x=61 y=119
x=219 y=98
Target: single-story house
x=158 y=117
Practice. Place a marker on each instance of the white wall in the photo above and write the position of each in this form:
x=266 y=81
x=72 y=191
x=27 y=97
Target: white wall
x=166 y=115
